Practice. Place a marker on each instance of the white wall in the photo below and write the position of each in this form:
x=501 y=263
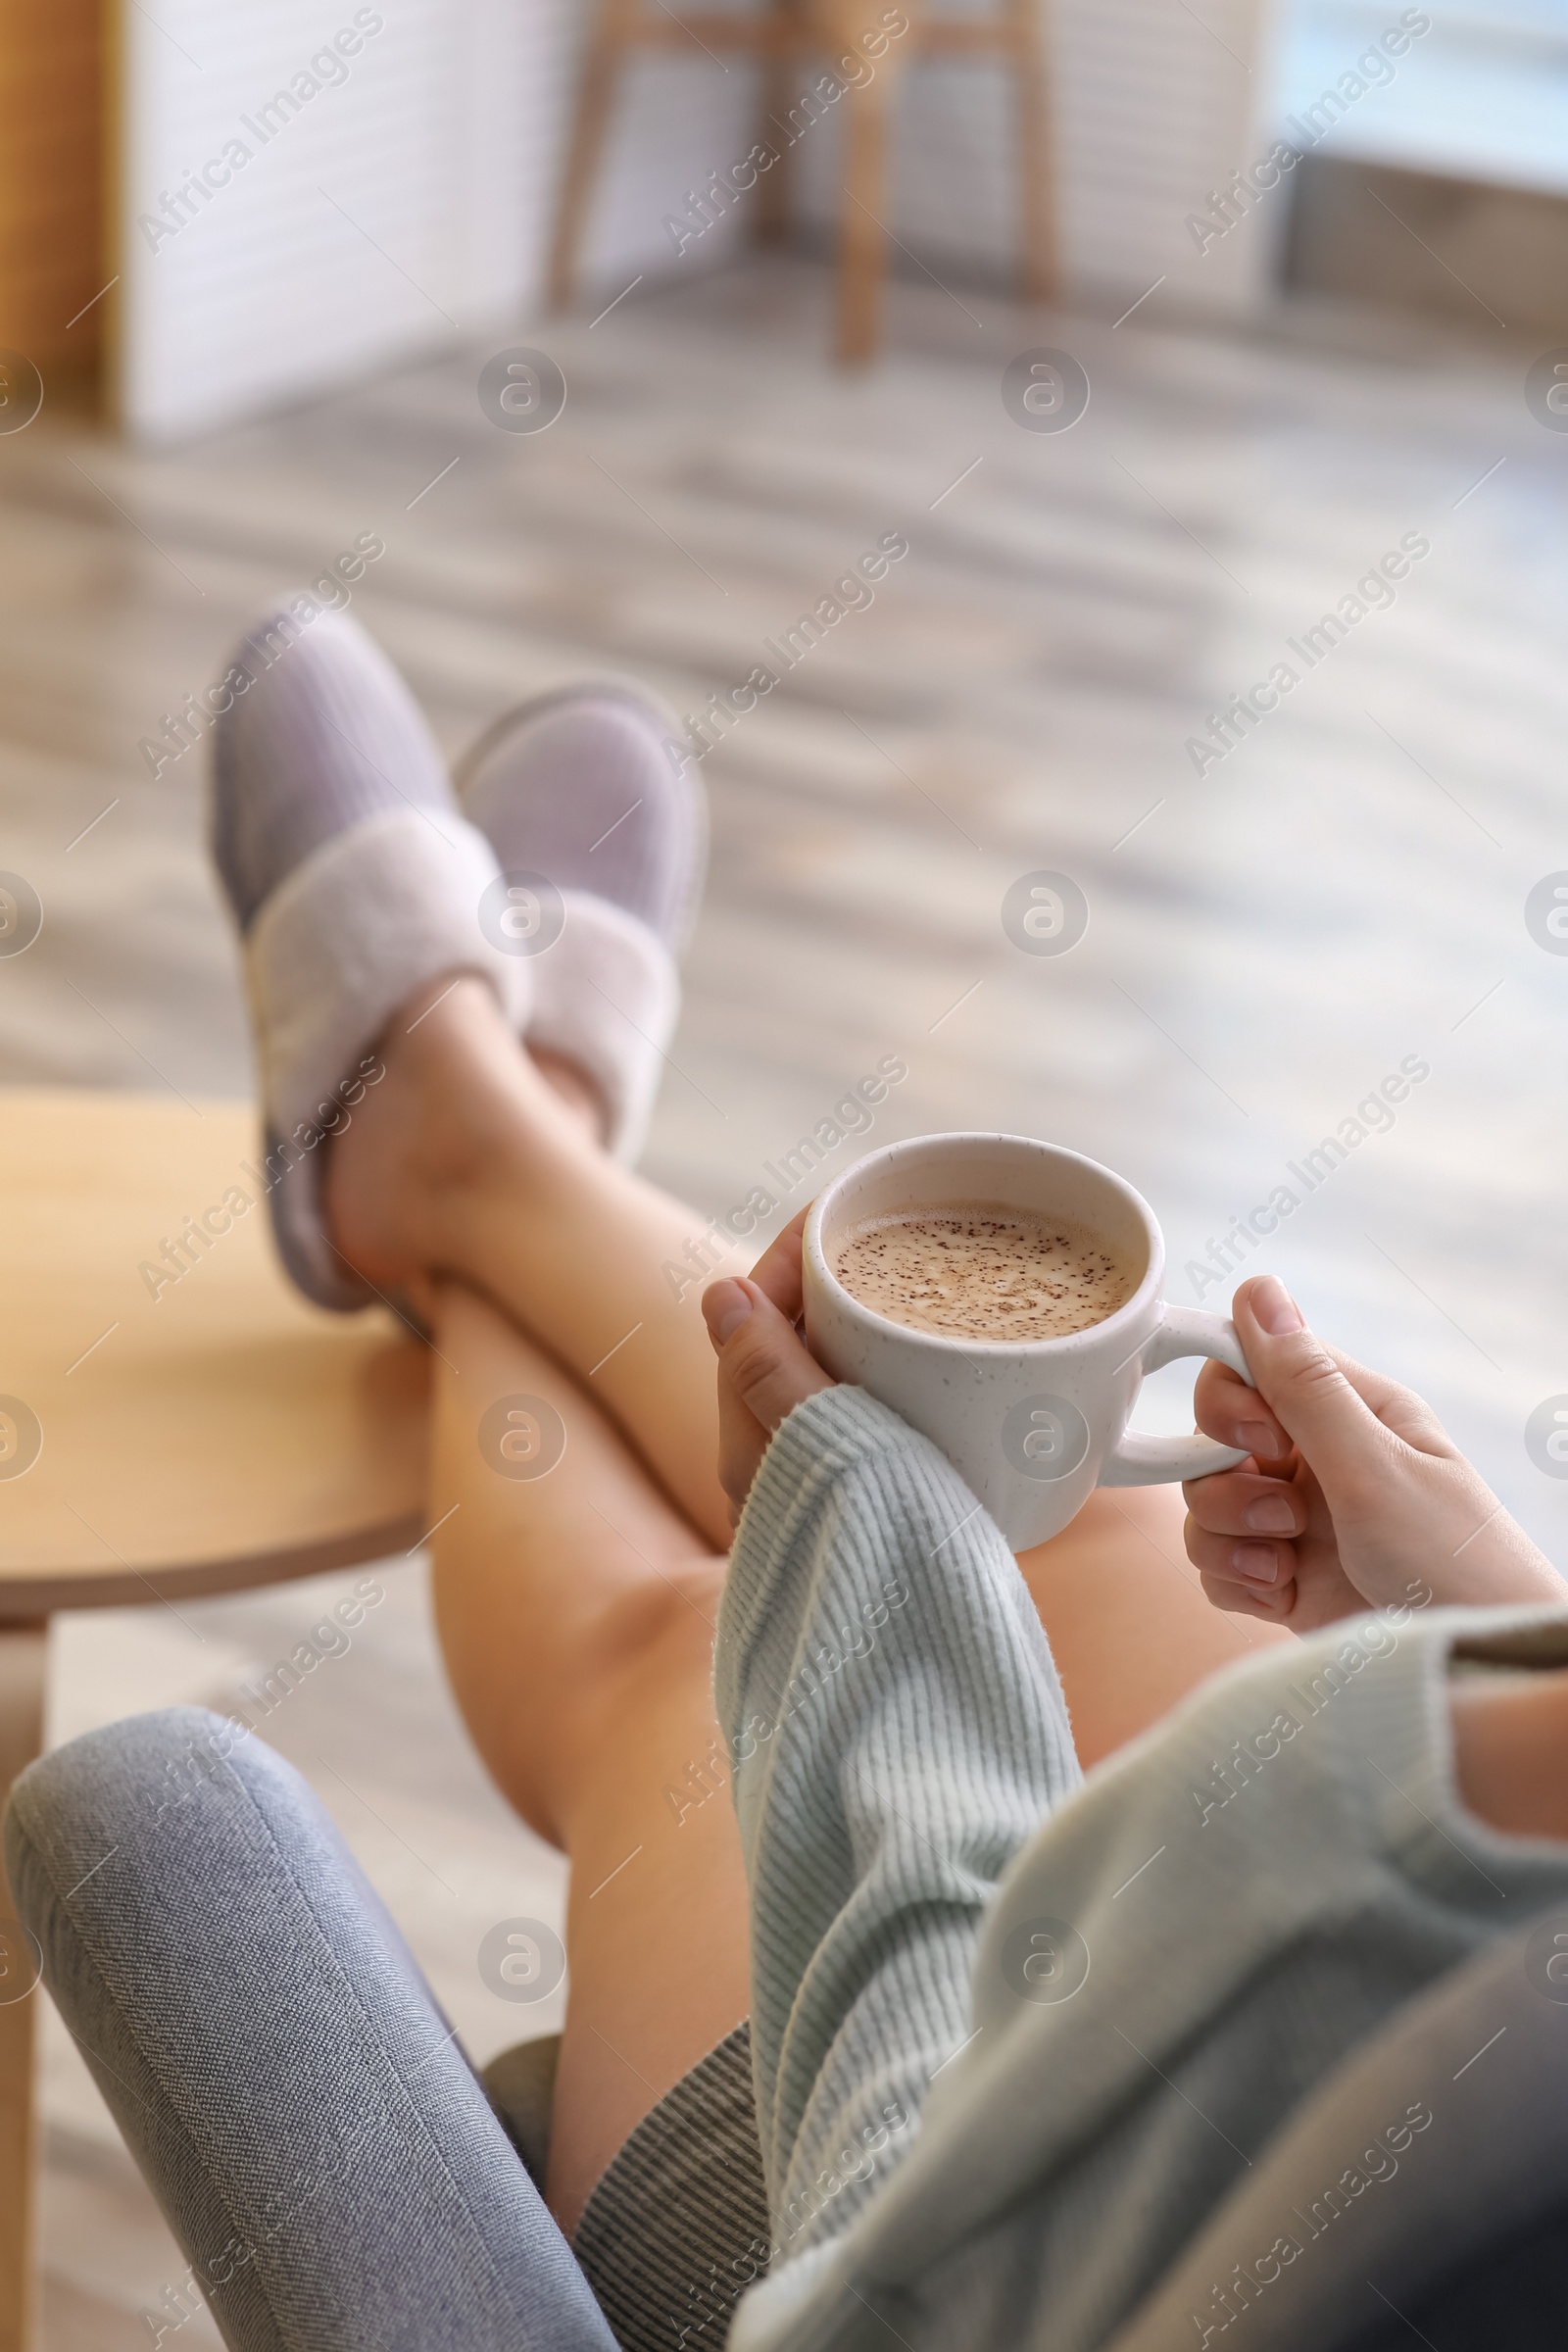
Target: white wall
x=411 y=199
x=442 y=146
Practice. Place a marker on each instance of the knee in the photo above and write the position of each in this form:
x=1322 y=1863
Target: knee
x=652 y=1634
x=654 y=1624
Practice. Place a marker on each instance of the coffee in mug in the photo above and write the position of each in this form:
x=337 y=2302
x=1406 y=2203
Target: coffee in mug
x=978 y=1269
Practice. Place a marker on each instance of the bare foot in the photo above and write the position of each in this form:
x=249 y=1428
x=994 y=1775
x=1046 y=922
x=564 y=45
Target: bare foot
x=460 y=1106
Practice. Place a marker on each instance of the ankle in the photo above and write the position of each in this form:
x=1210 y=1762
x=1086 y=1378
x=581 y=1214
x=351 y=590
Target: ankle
x=465 y=1133
x=450 y=1120
x=576 y=1089
x=450 y=1052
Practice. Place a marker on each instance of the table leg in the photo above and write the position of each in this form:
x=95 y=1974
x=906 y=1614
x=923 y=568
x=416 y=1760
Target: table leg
x=24 y=1650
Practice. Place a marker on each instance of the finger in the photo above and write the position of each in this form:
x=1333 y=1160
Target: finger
x=1401 y=1410
x=778 y=1270
x=1335 y=1428
x=1246 y=1601
x=759 y=1352
x=1251 y=1561
x=1246 y=1502
x=1226 y=1408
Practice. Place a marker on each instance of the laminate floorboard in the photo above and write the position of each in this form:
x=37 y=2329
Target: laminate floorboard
x=1267 y=939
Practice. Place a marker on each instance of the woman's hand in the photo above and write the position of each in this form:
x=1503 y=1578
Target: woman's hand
x=764 y=1369
x=1354 y=1492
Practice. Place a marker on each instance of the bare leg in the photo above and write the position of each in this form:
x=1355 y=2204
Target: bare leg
x=1130 y=1627
x=465 y=1160
x=576 y=1615
x=1510 y=1737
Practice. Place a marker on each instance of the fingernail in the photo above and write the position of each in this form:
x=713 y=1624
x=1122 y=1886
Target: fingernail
x=1259 y=1562
x=1258 y=1438
x=725 y=1307
x=1275 y=1309
x=1271 y=1515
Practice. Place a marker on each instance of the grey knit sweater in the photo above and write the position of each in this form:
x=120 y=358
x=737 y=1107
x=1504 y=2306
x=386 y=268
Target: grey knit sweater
x=1015 y=2034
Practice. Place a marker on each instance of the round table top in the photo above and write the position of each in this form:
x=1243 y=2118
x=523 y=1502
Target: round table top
x=194 y=1434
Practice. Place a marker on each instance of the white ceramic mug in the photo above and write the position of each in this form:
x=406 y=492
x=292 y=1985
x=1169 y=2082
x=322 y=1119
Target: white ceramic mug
x=1033 y=1426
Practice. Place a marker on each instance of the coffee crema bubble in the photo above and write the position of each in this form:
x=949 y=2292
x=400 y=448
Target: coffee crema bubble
x=978 y=1270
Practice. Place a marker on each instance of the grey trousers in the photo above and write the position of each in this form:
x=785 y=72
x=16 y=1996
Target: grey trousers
x=319 y=2142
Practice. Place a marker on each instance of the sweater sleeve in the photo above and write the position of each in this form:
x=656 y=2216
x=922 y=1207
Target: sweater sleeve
x=897 y=1730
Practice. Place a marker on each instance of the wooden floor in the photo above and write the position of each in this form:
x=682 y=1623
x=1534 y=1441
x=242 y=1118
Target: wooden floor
x=1267 y=942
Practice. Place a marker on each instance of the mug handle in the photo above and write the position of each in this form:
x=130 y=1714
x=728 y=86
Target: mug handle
x=1149 y=1461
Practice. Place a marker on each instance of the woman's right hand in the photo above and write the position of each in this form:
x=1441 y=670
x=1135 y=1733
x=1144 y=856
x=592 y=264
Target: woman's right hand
x=764 y=1370
x=1355 y=1496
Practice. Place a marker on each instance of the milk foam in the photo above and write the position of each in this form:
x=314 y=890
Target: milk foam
x=981 y=1271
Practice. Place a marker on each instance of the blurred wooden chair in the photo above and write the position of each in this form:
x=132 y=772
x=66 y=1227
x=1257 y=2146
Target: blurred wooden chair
x=782 y=34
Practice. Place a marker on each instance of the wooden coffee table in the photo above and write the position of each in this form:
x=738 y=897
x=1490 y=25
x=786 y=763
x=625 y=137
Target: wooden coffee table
x=220 y=1433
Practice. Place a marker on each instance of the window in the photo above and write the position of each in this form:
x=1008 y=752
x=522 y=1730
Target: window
x=1480 y=94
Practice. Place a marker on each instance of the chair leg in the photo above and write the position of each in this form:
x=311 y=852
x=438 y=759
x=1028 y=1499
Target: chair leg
x=1038 y=234
x=596 y=98
x=862 y=251
x=23 y=1661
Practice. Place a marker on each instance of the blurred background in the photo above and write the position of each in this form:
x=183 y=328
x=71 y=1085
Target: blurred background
x=262 y=271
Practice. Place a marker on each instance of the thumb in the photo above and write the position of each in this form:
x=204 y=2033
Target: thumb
x=760 y=1351
x=1337 y=1432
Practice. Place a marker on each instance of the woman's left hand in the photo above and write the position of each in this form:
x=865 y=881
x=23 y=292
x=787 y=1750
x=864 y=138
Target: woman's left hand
x=764 y=1368
x=1355 y=1497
